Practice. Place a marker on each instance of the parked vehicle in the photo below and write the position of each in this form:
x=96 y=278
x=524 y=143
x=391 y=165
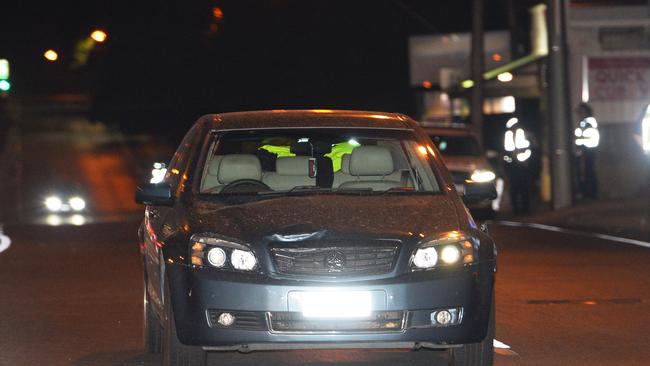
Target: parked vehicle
x=254 y=242
x=466 y=161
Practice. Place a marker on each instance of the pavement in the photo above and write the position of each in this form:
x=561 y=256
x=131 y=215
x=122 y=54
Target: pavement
x=625 y=217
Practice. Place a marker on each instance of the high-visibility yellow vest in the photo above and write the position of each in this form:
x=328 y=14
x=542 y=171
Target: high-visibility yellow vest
x=338 y=150
x=280 y=151
x=336 y=155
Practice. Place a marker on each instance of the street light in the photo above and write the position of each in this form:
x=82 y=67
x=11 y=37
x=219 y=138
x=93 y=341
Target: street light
x=505 y=77
x=51 y=55
x=98 y=35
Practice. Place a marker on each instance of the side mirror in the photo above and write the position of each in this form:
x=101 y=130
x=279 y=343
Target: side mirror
x=154 y=194
x=478 y=192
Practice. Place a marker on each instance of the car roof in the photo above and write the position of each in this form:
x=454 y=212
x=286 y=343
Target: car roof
x=448 y=131
x=308 y=119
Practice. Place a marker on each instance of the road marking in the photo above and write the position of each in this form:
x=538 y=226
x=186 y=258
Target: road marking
x=615 y=301
x=557 y=229
x=503 y=349
x=5 y=242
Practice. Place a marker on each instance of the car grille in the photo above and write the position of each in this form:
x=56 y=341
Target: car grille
x=252 y=320
x=460 y=177
x=326 y=259
x=380 y=321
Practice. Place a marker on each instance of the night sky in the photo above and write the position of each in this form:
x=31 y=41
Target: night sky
x=162 y=62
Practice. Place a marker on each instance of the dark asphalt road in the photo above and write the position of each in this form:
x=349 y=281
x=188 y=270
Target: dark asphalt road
x=72 y=295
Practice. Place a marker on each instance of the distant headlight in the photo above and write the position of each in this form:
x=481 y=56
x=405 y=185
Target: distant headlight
x=77 y=203
x=483 y=176
x=210 y=250
x=449 y=249
x=53 y=203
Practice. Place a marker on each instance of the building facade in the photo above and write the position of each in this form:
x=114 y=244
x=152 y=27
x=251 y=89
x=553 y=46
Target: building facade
x=609 y=67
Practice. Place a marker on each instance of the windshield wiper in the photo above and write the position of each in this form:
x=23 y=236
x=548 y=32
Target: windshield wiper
x=359 y=191
x=296 y=189
x=400 y=190
x=317 y=190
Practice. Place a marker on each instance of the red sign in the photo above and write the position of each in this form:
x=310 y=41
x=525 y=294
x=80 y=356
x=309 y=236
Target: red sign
x=619 y=78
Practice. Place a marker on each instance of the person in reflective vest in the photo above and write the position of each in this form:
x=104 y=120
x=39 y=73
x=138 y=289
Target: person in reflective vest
x=642 y=130
x=587 y=139
x=336 y=155
x=517 y=154
x=279 y=151
x=340 y=149
x=642 y=137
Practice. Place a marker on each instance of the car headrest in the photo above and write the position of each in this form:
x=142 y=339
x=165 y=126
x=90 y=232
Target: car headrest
x=345 y=163
x=213 y=168
x=371 y=160
x=295 y=165
x=239 y=166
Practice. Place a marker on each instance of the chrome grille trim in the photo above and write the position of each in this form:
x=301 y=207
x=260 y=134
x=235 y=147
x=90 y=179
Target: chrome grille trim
x=335 y=259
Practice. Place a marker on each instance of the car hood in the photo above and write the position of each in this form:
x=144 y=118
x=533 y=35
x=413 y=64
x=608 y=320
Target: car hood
x=465 y=163
x=388 y=216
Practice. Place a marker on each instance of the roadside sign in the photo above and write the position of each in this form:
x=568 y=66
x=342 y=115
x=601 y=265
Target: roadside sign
x=619 y=78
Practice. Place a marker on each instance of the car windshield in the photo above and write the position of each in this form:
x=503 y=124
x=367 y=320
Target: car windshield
x=313 y=161
x=456 y=145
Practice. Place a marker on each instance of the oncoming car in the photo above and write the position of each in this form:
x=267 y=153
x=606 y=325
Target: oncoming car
x=62 y=203
x=316 y=229
x=465 y=161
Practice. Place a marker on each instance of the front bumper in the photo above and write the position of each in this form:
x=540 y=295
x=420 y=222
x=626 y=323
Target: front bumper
x=196 y=291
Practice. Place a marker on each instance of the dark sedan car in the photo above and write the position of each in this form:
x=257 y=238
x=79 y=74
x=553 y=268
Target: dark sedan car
x=313 y=229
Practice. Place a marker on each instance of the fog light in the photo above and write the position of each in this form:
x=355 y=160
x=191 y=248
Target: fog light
x=226 y=319
x=446 y=317
x=443 y=317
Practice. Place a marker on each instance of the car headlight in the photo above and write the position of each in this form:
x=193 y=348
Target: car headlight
x=211 y=251
x=77 y=203
x=450 y=249
x=425 y=258
x=217 y=257
x=483 y=175
x=243 y=260
x=53 y=203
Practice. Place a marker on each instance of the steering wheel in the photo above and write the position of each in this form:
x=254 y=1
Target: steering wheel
x=245 y=185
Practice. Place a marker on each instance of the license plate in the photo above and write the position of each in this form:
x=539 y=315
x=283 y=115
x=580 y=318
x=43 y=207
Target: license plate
x=334 y=304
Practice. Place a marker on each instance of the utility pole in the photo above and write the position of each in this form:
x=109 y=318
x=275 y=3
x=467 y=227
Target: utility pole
x=515 y=49
x=478 y=69
x=559 y=107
